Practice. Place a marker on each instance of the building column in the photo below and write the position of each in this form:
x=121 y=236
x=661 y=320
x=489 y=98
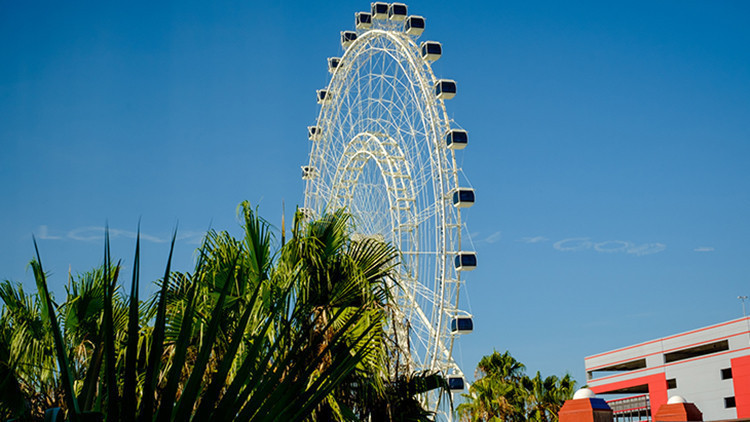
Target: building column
x=741 y=381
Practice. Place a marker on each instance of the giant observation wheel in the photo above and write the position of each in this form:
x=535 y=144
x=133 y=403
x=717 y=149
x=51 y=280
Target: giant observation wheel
x=384 y=147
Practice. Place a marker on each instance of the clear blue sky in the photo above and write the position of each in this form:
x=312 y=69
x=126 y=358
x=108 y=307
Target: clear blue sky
x=609 y=149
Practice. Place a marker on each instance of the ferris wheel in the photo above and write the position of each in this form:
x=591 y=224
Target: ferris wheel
x=384 y=148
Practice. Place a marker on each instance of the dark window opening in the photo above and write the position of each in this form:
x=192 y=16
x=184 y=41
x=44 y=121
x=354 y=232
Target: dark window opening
x=692 y=352
x=466 y=196
x=671 y=383
x=398 y=10
x=455 y=383
x=726 y=373
x=625 y=366
x=431 y=48
x=465 y=260
x=415 y=23
x=729 y=402
x=379 y=8
x=636 y=389
x=365 y=18
x=462 y=324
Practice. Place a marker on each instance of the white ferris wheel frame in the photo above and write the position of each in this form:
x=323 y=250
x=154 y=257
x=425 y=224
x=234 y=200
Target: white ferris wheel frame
x=353 y=132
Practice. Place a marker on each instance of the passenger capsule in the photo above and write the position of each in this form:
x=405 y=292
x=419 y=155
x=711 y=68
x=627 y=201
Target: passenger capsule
x=455 y=383
x=456 y=139
x=333 y=63
x=414 y=25
x=445 y=89
x=379 y=10
x=307 y=213
x=324 y=97
x=431 y=50
x=465 y=261
x=363 y=20
x=463 y=197
x=314 y=133
x=308 y=172
x=462 y=325
x=397 y=11
x=347 y=38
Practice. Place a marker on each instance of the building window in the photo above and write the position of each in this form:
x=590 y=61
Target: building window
x=692 y=352
x=620 y=367
x=671 y=383
x=729 y=402
x=726 y=373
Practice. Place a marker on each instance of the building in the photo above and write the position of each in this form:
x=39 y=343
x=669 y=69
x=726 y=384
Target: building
x=709 y=366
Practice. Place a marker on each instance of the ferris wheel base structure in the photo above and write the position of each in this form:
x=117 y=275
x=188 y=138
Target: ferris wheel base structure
x=384 y=148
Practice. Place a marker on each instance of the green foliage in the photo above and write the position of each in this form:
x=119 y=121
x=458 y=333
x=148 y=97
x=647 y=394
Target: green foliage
x=250 y=334
x=503 y=392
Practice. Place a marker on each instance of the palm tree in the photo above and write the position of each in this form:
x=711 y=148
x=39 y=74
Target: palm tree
x=501 y=366
x=27 y=363
x=248 y=335
x=502 y=392
x=497 y=393
x=547 y=395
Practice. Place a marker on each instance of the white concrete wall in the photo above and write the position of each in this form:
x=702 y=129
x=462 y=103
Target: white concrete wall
x=698 y=379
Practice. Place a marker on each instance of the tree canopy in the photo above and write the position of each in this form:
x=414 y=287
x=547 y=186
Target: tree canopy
x=503 y=392
x=258 y=331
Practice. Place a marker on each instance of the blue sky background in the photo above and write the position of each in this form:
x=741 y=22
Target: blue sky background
x=609 y=149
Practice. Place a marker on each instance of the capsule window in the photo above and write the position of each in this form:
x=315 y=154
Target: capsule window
x=465 y=261
x=307 y=213
x=314 y=133
x=347 y=38
x=363 y=20
x=445 y=89
x=462 y=325
x=463 y=197
x=379 y=10
x=431 y=50
x=308 y=172
x=455 y=383
x=414 y=25
x=324 y=96
x=397 y=11
x=333 y=63
x=456 y=139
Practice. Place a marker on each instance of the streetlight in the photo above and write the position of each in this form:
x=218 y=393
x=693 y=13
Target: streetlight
x=747 y=321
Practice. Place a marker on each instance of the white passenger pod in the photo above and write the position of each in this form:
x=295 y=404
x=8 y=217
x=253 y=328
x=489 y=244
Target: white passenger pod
x=379 y=10
x=333 y=63
x=455 y=383
x=324 y=96
x=431 y=50
x=397 y=11
x=456 y=139
x=463 y=197
x=465 y=261
x=347 y=38
x=314 y=133
x=462 y=325
x=309 y=172
x=445 y=89
x=363 y=20
x=414 y=25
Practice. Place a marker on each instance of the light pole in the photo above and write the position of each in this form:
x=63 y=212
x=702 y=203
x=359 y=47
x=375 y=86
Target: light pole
x=747 y=321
